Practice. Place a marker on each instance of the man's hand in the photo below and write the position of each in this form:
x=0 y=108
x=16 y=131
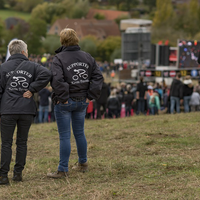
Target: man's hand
x=27 y=94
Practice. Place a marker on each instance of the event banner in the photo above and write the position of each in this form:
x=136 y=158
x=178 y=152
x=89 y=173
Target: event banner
x=195 y=73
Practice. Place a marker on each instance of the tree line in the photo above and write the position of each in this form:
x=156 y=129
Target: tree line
x=179 y=22
x=170 y=22
x=34 y=32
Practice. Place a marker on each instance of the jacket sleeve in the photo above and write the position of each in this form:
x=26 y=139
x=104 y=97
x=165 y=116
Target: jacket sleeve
x=42 y=77
x=2 y=84
x=58 y=83
x=96 y=82
x=181 y=91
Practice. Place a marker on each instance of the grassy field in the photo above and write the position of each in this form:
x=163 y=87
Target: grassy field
x=4 y=14
x=143 y=157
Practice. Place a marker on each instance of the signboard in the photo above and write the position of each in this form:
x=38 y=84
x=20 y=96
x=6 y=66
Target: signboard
x=188 y=53
x=151 y=73
x=194 y=73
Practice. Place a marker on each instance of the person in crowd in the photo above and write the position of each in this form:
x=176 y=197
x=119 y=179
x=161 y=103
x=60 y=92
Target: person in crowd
x=76 y=80
x=154 y=103
x=122 y=89
x=113 y=105
x=166 y=104
x=89 y=110
x=176 y=94
x=51 y=107
x=20 y=79
x=36 y=99
x=128 y=100
x=159 y=89
x=94 y=109
x=141 y=96
x=112 y=74
x=195 y=101
x=149 y=94
x=187 y=92
x=197 y=87
x=102 y=101
x=120 y=97
x=44 y=95
x=133 y=90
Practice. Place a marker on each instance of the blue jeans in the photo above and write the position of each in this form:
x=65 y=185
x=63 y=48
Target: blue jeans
x=174 y=101
x=43 y=113
x=65 y=114
x=153 y=110
x=186 y=101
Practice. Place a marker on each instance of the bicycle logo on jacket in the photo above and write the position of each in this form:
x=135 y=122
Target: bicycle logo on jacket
x=19 y=80
x=79 y=73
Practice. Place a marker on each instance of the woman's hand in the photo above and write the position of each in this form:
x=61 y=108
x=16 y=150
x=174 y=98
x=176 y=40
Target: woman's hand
x=27 y=94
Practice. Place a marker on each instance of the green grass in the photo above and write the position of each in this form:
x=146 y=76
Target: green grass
x=4 y=14
x=143 y=157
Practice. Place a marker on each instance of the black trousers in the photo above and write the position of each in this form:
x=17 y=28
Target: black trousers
x=8 y=124
x=99 y=112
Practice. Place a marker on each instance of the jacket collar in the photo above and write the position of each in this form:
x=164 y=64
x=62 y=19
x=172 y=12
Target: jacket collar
x=69 y=48
x=17 y=56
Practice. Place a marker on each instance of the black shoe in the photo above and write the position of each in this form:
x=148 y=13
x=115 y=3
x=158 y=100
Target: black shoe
x=4 y=180
x=17 y=176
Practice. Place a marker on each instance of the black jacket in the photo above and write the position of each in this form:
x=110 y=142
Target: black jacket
x=176 y=89
x=141 y=88
x=187 y=91
x=128 y=99
x=113 y=103
x=105 y=93
x=44 y=95
x=30 y=76
x=75 y=74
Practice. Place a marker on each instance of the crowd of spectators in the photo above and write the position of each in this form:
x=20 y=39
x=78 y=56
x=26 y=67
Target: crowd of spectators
x=144 y=98
x=124 y=100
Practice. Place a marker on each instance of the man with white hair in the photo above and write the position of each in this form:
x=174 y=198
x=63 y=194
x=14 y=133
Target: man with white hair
x=19 y=80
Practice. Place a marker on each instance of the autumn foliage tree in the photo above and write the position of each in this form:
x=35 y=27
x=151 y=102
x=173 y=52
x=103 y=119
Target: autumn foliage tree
x=164 y=13
x=193 y=18
x=106 y=47
x=172 y=24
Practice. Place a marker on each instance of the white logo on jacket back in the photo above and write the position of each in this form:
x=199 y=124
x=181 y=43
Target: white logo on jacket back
x=79 y=75
x=19 y=82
